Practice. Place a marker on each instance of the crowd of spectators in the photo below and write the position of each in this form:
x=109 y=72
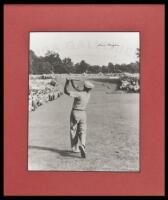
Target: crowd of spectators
x=38 y=97
x=129 y=83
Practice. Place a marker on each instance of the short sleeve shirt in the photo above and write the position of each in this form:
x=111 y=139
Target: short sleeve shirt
x=80 y=99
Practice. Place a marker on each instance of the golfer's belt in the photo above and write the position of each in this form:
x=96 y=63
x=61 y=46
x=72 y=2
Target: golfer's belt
x=78 y=109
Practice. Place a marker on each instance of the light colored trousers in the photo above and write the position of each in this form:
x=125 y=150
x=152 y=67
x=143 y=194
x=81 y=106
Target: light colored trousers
x=78 y=128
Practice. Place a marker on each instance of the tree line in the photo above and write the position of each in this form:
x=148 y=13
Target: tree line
x=52 y=63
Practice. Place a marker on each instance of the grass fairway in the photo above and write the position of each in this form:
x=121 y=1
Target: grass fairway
x=112 y=135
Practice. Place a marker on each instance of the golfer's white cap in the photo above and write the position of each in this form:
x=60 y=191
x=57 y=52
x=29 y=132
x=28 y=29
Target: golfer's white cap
x=88 y=84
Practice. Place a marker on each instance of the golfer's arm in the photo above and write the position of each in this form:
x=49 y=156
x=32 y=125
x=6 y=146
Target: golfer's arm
x=73 y=85
x=66 y=88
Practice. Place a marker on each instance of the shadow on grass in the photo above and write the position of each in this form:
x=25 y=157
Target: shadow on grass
x=64 y=153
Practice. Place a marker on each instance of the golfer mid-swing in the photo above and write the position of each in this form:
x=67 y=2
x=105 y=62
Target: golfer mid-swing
x=78 y=116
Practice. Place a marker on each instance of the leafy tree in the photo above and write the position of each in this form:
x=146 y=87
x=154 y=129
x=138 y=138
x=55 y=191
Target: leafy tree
x=52 y=63
x=56 y=62
x=94 y=69
x=68 y=65
x=138 y=55
x=32 y=58
x=82 y=67
x=111 y=67
x=104 y=69
x=117 y=68
x=138 y=52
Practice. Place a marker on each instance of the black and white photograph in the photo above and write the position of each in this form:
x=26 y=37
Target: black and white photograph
x=84 y=101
